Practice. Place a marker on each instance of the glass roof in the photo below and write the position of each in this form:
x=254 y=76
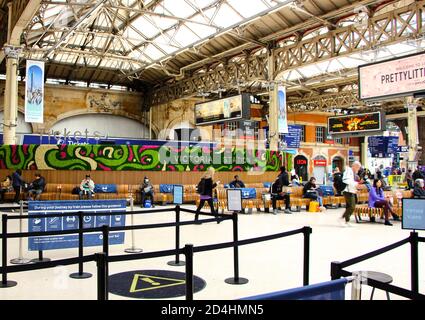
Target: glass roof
x=145 y=33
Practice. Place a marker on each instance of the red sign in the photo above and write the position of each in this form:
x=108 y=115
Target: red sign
x=320 y=163
x=301 y=162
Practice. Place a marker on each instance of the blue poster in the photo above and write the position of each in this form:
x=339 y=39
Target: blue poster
x=383 y=147
x=71 y=222
x=293 y=137
x=34 y=91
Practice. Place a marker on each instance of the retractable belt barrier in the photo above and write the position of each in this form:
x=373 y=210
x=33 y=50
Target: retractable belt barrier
x=337 y=268
x=103 y=259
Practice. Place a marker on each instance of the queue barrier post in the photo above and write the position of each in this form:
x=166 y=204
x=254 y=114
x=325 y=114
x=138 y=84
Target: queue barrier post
x=177 y=262
x=102 y=279
x=335 y=270
x=105 y=243
x=133 y=248
x=40 y=258
x=306 y=261
x=188 y=252
x=80 y=274
x=414 y=264
x=20 y=259
x=4 y=282
x=236 y=279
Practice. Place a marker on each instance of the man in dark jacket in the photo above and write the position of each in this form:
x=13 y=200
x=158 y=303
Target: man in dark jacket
x=277 y=193
x=146 y=190
x=18 y=184
x=36 y=187
x=237 y=183
x=284 y=177
x=338 y=184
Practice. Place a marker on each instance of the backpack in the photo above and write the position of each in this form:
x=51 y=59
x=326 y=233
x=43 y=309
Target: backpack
x=200 y=187
x=75 y=190
x=339 y=184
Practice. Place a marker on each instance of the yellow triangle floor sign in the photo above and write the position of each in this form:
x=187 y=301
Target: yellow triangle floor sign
x=142 y=282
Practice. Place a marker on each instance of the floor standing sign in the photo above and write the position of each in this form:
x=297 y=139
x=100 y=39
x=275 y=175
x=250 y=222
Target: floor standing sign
x=71 y=223
x=234 y=200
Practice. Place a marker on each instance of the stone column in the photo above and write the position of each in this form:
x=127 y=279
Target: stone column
x=273 y=113
x=11 y=95
x=413 y=136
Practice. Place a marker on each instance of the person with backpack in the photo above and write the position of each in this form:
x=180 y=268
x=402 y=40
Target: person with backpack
x=350 y=191
x=146 y=191
x=205 y=189
x=338 y=184
x=277 y=193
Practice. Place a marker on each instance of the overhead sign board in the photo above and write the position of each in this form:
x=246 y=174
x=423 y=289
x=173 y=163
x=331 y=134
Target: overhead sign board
x=222 y=110
x=397 y=77
x=356 y=124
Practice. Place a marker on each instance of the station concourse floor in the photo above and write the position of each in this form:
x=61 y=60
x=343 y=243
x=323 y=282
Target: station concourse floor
x=270 y=266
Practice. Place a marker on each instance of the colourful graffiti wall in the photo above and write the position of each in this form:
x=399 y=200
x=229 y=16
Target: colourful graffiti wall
x=131 y=157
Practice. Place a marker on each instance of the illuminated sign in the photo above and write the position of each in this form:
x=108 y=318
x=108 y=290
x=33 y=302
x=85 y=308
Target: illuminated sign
x=222 y=110
x=397 y=77
x=356 y=124
x=320 y=163
x=301 y=162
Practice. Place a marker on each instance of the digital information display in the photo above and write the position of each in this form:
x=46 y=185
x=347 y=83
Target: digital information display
x=413 y=214
x=227 y=109
x=356 y=124
x=398 y=77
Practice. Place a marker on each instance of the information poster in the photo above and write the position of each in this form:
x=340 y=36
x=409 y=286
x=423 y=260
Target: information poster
x=234 y=200
x=71 y=223
x=413 y=214
x=293 y=137
x=178 y=194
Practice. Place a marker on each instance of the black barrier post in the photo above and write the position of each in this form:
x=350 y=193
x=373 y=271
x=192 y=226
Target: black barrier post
x=105 y=235
x=102 y=278
x=414 y=261
x=236 y=279
x=177 y=262
x=80 y=274
x=306 y=232
x=335 y=270
x=4 y=282
x=188 y=252
x=40 y=258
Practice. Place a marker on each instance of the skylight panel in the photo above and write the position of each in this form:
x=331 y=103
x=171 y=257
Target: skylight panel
x=153 y=53
x=178 y=8
x=226 y=17
x=248 y=8
x=186 y=37
x=145 y=27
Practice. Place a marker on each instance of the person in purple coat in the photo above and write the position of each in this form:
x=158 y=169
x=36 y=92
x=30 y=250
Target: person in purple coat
x=377 y=199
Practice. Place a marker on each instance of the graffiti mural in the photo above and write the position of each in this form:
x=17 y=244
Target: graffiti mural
x=132 y=157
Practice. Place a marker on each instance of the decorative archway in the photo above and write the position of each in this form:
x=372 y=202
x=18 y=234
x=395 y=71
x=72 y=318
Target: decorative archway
x=301 y=166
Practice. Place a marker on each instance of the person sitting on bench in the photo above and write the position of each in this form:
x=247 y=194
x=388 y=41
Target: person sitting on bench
x=146 y=190
x=311 y=191
x=5 y=186
x=418 y=190
x=36 y=187
x=87 y=187
x=237 y=183
x=277 y=193
x=377 y=199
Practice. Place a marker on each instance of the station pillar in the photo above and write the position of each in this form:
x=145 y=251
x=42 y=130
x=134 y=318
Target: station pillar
x=11 y=94
x=273 y=106
x=413 y=135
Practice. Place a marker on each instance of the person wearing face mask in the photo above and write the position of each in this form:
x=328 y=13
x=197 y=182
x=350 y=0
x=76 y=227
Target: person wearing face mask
x=146 y=190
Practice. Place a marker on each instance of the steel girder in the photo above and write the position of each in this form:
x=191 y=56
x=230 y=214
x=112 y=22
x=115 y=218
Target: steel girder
x=389 y=28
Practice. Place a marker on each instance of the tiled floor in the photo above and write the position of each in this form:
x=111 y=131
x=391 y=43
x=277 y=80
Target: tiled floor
x=269 y=266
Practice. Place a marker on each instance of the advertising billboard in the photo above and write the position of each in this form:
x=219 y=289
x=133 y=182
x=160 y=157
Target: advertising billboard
x=356 y=124
x=397 y=77
x=222 y=110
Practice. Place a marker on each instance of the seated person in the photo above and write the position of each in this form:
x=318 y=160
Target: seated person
x=5 y=186
x=237 y=183
x=277 y=193
x=36 y=187
x=146 y=190
x=377 y=199
x=311 y=191
x=295 y=181
x=87 y=187
x=418 y=190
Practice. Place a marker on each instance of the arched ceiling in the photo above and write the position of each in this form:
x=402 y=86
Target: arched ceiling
x=186 y=48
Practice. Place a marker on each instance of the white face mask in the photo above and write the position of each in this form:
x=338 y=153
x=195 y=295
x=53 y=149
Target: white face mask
x=146 y=180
